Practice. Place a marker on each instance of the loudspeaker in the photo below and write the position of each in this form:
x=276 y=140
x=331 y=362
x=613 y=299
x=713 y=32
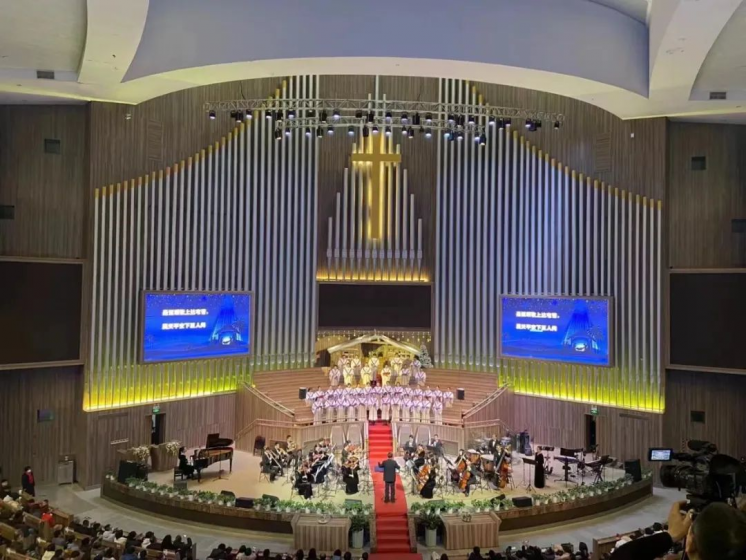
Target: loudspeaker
x=302 y=393
x=522 y=501
x=353 y=503
x=272 y=499
x=460 y=394
x=130 y=469
x=633 y=468
x=245 y=503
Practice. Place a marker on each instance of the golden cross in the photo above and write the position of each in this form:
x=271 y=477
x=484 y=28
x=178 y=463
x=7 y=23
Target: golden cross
x=375 y=193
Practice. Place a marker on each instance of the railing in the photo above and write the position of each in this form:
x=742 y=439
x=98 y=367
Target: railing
x=279 y=406
x=485 y=402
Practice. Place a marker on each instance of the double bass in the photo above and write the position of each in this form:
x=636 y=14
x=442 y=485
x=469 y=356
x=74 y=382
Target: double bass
x=504 y=471
x=465 y=476
x=422 y=476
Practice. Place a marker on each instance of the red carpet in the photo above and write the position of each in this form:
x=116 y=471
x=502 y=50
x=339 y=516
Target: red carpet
x=392 y=530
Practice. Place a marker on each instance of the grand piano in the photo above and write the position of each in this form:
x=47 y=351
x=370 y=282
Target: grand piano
x=216 y=449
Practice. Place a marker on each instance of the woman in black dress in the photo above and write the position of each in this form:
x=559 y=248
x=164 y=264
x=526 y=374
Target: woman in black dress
x=539 y=472
x=351 y=478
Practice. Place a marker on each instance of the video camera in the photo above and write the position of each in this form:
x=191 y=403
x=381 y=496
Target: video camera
x=707 y=475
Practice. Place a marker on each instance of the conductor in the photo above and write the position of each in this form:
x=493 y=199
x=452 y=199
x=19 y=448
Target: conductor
x=389 y=467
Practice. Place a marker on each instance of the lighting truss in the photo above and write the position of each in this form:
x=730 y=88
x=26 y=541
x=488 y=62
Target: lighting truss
x=347 y=109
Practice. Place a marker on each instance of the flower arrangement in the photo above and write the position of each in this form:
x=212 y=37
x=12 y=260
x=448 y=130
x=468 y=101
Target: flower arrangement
x=141 y=453
x=172 y=448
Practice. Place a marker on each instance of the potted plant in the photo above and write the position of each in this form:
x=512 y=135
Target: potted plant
x=358 y=524
x=538 y=499
x=431 y=521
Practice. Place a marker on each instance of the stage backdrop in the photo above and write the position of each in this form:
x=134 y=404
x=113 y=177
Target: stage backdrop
x=239 y=215
x=511 y=219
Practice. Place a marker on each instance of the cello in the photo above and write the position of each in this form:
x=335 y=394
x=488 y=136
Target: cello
x=465 y=476
x=422 y=476
x=504 y=471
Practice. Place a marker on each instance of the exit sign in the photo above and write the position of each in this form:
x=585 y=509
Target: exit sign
x=156 y=409
x=594 y=410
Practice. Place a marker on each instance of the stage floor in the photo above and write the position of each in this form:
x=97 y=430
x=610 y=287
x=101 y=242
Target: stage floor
x=244 y=482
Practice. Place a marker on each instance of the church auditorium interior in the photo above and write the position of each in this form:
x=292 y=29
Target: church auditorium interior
x=303 y=280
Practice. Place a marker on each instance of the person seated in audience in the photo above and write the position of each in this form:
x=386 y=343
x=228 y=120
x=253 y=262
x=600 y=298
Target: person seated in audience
x=167 y=543
x=184 y=466
x=348 y=555
x=719 y=533
x=132 y=539
x=119 y=537
x=312 y=554
x=218 y=552
x=70 y=543
x=58 y=538
x=182 y=546
x=109 y=554
x=85 y=548
x=337 y=555
x=129 y=554
x=49 y=552
x=5 y=489
x=143 y=555
x=108 y=533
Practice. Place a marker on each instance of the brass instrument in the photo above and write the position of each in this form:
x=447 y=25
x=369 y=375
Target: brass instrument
x=292 y=446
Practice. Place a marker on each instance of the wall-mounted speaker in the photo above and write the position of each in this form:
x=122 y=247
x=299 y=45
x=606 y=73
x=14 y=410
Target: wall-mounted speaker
x=460 y=394
x=302 y=393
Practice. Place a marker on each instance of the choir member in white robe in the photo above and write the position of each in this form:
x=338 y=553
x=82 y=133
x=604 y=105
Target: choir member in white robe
x=448 y=397
x=330 y=409
x=317 y=407
x=365 y=375
x=334 y=376
x=386 y=407
x=362 y=407
x=425 y=409
x=406 y=409
x=404 y=377
x=357 y=365
x=377 y=393
x=372 y=402
x=386 y=376
x=348 y=374
x=395 y=407
x=438 y=411
x=374 y=362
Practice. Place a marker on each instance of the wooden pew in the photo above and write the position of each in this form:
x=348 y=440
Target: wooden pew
x=61 y=517
x=43 y=530
x=7 y=532
x=601 y=546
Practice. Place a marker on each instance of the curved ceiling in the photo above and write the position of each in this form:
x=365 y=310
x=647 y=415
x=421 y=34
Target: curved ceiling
x=635 y=58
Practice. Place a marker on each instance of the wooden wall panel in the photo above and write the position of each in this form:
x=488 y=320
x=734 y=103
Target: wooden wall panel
x=722 y=397
x=623 y=434
x=636 y=151
x=188 y=421
x=162 y=131
x=23 y=440
x=49 y=191
x=703 y=203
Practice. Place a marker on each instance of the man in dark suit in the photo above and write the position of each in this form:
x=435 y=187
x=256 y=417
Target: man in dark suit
x=27 y=481
x=389 y=467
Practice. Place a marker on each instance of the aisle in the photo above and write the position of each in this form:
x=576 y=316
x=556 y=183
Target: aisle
x=392 y=530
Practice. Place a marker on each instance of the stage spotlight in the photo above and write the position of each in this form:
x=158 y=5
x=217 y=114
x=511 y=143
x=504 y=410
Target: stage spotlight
x=278 y=134
x=483 y=140
x=233 y=115
x=350 y=130
x=322 y=118
x=319 y=132
x=451 y=119
x=557 y=125
x=212 y=115
x=371 y=117
x=278 y=117
x=470 y=119
x=388 y=116
x=387 y=131
x=508 y=122
x=335 y=114
x=249 y=115
x=358 y=114
x=428 y=133
x=410 y=132
x=529 y=124
x=477 y=138
x=459 y=135
x=416 y=119
x=404 y=118
x=460 y=121
x=268 y=115
x=374 y=130
x=330 y=130
x=287 y=132
x=428 y=118
x=291 y=113
x=366 y=132
x=308 y=132
x=310 y=113
x=491 y=121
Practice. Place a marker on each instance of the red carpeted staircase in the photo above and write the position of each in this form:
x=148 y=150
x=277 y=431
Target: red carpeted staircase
x=392 y=529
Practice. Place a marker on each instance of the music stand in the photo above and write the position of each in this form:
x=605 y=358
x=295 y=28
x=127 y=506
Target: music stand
x=530 y=462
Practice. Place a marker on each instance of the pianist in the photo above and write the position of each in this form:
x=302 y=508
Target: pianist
x=184 y=467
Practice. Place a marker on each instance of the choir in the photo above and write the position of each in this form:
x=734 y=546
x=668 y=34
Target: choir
x=395 y=403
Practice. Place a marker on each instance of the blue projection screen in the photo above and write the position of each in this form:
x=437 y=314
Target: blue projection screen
x=195 y=325
x=558 y=329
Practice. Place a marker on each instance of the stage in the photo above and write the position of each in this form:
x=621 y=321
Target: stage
x=244 y=482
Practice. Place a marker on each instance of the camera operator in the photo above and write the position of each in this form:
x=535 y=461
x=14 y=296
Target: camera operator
x=717 y=533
